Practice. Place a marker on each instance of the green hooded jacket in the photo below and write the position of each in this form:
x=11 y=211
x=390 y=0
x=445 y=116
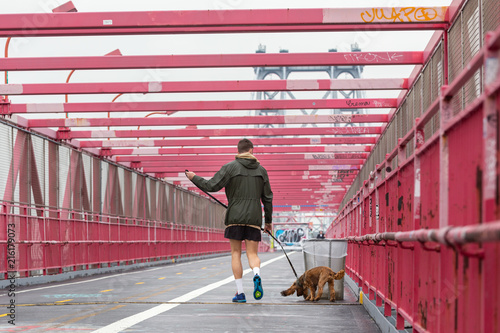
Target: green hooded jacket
x=246 y=184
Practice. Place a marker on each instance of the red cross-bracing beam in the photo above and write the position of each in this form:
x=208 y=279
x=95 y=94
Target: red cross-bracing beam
x=236 y=132
x=228 y=158
x=218 y=150
x=226 y=142
x=201 y=86
x=294 y=104
x=223 y=21
x=199 y=121
x=212 y=60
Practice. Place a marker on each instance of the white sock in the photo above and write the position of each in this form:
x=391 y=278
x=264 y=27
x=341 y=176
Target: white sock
x=256 y=270
x=239 y=285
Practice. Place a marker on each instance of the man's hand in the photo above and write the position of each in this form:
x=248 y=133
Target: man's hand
x=268 y=227
x=190 y=175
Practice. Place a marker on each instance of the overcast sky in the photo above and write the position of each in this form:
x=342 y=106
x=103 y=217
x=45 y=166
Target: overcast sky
x=201 y=44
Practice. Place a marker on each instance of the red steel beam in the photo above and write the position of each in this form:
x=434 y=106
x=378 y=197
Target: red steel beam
x=361 y=103
x=228 y=158
x=277 y=160
x=334 y=178
x=201 y=86
x=199 y=121
x=225 y=30
x=212 y=60
x=23 y=23
x=332 y=166
x=216 y=164
x=217 y=150
x=238 y=132
x=226 y=142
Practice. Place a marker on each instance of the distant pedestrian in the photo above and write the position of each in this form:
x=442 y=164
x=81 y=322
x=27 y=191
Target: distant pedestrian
x=321 y=235
x=246 y=184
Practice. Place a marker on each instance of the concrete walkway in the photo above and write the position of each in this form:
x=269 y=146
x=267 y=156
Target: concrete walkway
x=187 y=297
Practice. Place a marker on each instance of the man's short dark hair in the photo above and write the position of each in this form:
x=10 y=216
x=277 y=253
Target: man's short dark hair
x=244 y=146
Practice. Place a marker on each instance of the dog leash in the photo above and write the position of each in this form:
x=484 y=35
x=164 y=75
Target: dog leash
x=270 y=234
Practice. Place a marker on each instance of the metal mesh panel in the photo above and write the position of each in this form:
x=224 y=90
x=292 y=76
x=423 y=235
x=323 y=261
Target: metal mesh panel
x=64 y=180
x=391 y=130
x=121 y=187
x=104 y=183
x=404 y=119
x=417 y=98
x=410 y=147
x=399 y=125
x=455 y=61
x=437 y=72
x=134 y=190
x=410 y=104
x=87 y=173
x=147 y=195
x=491 y=15
x=153 y=200
x=170 y=201
x=15 y=184
x=426 y=85
x=471 y=46
x=38 y=183
x=6 y=153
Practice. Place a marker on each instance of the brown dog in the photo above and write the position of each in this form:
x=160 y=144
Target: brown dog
x=314 y=278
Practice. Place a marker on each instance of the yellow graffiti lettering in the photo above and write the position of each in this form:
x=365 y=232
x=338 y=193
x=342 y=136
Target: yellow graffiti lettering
x=403 y=14
x=368 y=14
x=425 y=14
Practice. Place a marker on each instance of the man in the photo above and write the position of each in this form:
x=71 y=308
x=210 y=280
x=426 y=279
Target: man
x=246 y=184
x=321 y=235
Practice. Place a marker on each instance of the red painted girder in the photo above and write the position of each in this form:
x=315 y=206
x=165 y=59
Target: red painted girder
x=332 y=180
x=278 y=161
x=282 y=180
x=228 y=158
x=225 y=18
x=225 y=142
x=221 y=29
x=286 y=167
x=361 y=103
x=239 y=132
x=201 y=86
x=310 y=174
x=290 y=182
x=263 y=163
x=306 y=186
x=212 y=60
x=195 y=121
x=215 y=150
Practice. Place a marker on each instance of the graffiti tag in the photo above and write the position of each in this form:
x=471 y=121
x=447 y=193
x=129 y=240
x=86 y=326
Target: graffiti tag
x=372 y=57
x=357 y=103
x=403 y=14
x=341 y=118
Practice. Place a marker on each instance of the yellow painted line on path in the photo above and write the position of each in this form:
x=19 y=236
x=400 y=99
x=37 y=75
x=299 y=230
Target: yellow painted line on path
x=179 y=273
x=74 y=320
x=140 y=283
x=66 y=300
x=105 y=291
x=161 y=278
x=203 y=268
x=5 y=314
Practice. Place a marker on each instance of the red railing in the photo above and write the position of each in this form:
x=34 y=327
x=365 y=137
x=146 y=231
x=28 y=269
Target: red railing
x=424 y=238
x=39 y=241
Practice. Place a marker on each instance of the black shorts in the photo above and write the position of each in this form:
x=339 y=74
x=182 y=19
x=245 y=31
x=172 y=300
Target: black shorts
x=242 y=232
